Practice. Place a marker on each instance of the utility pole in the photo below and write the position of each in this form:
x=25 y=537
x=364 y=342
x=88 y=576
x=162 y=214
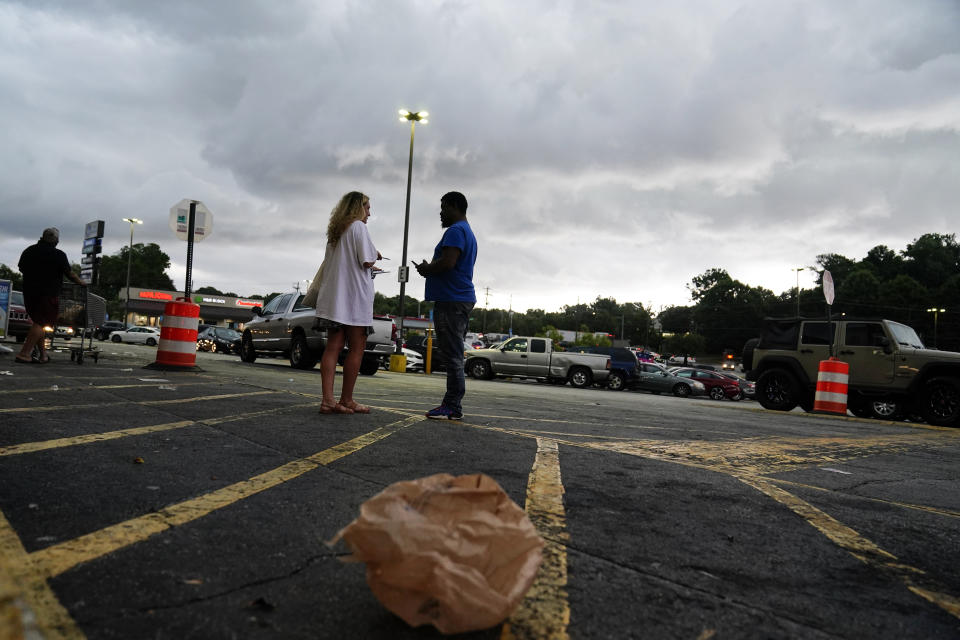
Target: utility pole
x=486 y=301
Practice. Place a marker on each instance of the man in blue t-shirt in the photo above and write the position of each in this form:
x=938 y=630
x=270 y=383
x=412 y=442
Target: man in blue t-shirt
x=449 y=283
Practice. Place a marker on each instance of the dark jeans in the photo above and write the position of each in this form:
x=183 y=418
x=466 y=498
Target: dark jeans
x=450 y=320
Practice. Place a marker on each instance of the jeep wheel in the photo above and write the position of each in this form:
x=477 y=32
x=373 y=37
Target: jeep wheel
x=580 y=378
x=940 y=402
x=300 y=355
x=886 y=409
x=480 y=369
x=681 y=390
x=247 y=352
x=778 y=390
x=615 y=382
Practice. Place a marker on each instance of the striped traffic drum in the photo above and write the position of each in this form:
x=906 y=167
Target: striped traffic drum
x=178 y=335
x=831 y=396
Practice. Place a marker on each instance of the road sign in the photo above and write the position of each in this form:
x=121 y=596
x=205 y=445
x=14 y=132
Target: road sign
x=93 y=229
x=180 y=217
x=92 y=246
x=828 y=287
x=403 y=274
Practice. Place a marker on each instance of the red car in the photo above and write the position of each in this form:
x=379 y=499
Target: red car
x=718 y=386
x=19 y=322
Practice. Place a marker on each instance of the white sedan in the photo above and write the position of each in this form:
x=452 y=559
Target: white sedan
x=138 y=335
x=414 y=360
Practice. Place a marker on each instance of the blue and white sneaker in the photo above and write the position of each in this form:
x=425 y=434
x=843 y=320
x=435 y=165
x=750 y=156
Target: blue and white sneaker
x=441 y=412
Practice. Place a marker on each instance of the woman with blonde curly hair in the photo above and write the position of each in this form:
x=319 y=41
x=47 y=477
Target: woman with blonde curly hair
x=345 y=298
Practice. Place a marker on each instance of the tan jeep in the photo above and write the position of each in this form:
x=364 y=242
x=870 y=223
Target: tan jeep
x=892 y=375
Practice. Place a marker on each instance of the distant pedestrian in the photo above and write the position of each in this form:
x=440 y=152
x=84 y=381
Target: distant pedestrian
x=345 y=298
x=449 y=283
x=43 y=267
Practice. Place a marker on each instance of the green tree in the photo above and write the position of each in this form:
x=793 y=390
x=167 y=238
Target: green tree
x=884 y=261
x=905 y=292
x=6 y=273
x=859 y=292
x=932 y=258
x=148 y=270
x=689 y=344
x=212 y=291
x=839 y=267
x=549 y=331
x=676 y=320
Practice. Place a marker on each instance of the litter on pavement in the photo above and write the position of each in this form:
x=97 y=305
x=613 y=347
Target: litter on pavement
x=454 y=552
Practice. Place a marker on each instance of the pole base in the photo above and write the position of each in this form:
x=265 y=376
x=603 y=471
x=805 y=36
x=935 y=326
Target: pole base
x=398 y=362
x=171 y=367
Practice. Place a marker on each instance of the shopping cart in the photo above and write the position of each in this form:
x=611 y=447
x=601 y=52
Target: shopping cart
x=81 y=312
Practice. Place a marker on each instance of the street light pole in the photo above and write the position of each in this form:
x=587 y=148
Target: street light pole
x=798 y=270
x=414 y=118
x=126 y=303
x=936 y=313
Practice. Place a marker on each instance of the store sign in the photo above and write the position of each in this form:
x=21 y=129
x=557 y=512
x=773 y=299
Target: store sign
x=6 y=286
x=155 y=295
x=248 y=303
x=205 y=300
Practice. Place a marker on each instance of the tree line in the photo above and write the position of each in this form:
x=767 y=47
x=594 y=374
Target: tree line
x=898 y=285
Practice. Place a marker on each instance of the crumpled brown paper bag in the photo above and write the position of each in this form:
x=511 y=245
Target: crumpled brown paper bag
x=454 y=552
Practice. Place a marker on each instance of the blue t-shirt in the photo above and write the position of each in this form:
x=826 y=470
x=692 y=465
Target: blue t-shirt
x=455 y=285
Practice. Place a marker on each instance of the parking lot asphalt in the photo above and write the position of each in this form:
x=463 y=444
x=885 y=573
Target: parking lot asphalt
x=137 y=503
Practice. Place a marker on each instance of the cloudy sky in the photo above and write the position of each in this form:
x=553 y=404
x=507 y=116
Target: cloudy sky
x=611 y=148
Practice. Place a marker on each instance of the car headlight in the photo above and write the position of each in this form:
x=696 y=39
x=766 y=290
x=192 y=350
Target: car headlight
x=698 y=385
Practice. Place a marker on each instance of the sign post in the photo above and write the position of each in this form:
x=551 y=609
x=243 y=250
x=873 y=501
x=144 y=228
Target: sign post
x=828 y=294
x=190 y=220
x=92 y=245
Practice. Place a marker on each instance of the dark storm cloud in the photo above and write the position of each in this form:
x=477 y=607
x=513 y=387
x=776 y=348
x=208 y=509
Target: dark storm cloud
x=746 y=135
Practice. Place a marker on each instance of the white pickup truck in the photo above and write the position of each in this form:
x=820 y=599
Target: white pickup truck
x=524 y=357
x=285 y=326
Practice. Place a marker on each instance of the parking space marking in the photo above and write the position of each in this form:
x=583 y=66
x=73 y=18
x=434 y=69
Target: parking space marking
x=91 y=387
x=861 y=548
x=72 y=407
x=222 y=396
x=545 y=611
x=56 y=559
x=42 y=445
x=51 y=617
x=765 y=452
x=778 y=454
x=904 y=505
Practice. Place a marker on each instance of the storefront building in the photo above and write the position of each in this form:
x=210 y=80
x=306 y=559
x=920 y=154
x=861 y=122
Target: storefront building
x=146 y=307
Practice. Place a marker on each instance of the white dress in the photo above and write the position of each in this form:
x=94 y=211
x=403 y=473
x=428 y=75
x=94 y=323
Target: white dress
x=346 y=290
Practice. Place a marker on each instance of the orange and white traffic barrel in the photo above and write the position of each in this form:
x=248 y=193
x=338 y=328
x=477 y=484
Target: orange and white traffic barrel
x=832 y=378
x=178 y=335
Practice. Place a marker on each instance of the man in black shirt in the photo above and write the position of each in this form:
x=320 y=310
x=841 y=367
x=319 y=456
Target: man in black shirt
x=43 y=267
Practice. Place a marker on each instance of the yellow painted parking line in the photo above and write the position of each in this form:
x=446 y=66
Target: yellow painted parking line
x=863 y=549
x=54 y=560
x=73 y=407
x=713 y=459
x=106 y=387
x=545 y=611
x=32 y=447
x=52 y=619
x=904 y=505
x=222 y=396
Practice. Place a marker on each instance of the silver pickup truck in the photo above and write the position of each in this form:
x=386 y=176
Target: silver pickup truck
x=285 y=326
x=523 y=357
